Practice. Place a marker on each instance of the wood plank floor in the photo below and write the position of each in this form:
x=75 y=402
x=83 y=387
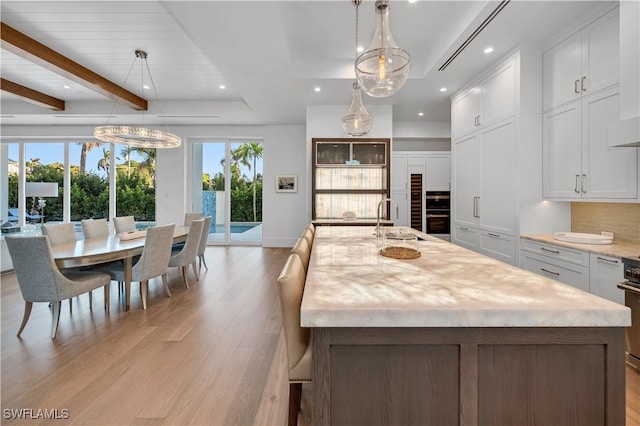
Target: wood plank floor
x=210 y=355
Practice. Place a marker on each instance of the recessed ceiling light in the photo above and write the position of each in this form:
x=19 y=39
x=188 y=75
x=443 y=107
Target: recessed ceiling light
x=146 y=86
x=222 y=86
x=488 y=49
x=360 y=49
x=443 y=89
x=412 y=1
x=65 y=86
x=316 y=89
x=420 y=114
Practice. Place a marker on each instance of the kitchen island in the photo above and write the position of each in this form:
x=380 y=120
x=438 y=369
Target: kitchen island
x=455 y=337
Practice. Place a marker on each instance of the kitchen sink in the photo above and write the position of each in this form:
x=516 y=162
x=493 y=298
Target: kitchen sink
x=577 y=237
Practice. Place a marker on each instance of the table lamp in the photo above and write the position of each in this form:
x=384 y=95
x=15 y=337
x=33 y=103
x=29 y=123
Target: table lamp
x=40 y=190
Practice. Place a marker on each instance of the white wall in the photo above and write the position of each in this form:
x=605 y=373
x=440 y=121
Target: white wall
x=422 y=129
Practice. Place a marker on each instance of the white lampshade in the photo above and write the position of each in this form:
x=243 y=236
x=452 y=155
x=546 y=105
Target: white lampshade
x=41 y=189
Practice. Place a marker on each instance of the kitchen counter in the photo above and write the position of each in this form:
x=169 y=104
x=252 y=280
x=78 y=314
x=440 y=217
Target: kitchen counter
x=617 y=249
x=454 y=337
x=350 y=285
x=351 y=222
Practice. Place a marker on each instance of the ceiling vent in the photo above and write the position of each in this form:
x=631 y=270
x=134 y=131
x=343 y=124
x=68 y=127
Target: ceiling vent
x=474 y=34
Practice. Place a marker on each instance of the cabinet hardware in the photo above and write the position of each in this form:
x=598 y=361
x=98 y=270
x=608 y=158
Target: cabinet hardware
x=493 y=235
x=549 y=250
x=582 y=180
x=575 y=188
x=582 y=85
x=464 y=228
x=479 y=123
x=607 y=260
x=478 y=206
x=575 y=86
x=557 y=274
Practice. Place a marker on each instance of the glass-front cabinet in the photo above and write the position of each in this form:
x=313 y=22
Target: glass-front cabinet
x=349 y=178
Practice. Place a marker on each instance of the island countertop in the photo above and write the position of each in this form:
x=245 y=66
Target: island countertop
x=350 y=285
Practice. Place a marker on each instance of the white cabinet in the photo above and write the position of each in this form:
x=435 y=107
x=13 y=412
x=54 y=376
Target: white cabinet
x=484 y=174
x=559 y=263
x=413 y=173
x=578 y=162
x=591 y=272
x=492 y=100
x=438 y=172
x=584 y=63
x=605 y=272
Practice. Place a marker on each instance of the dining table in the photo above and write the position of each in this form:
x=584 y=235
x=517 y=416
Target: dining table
x=95 y=251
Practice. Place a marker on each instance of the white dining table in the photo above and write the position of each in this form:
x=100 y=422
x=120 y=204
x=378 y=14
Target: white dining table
x=96 y=251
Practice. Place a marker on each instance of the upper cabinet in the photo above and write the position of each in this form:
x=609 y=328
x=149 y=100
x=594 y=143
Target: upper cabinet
x=492 y=100
x=582 y=64
x=351 y=153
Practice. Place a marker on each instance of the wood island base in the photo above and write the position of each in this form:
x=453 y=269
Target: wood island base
x=468 y=376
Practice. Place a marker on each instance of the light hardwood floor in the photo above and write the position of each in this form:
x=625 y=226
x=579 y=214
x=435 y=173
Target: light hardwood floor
x=210 y=355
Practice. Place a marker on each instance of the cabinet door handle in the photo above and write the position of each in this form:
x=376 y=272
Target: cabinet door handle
x=607 y=260
x=464 y=228
x=474 y=207
x=493 y=235
x=478 y=208
x=583 y=86
x=549 y=250
x=575 y=188
x=575 y=86
x=557 y=274
x=582 y=181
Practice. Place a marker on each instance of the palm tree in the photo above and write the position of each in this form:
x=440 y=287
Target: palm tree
x=103 y=163
x=86 y=147
x=126 y=152
x=148 y=163
x=242 y=155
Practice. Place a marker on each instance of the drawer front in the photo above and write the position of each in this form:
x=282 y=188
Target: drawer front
x=466 y=236
x=568 y=273
x=557 y=252
x=498 y=246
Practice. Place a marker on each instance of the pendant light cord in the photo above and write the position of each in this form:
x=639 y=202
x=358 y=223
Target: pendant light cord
x=357 y=7
x=155 y=91
x=115 y=101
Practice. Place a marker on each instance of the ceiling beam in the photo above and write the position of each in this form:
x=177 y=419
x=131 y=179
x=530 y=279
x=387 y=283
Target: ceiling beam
x=36 y=52
x=32 y=96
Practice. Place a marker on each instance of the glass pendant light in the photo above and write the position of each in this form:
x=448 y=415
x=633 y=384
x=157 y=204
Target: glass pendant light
x=357 y=121
x=383 y=68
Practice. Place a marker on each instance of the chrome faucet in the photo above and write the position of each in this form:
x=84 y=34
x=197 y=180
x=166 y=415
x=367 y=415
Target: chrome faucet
x=378 y=214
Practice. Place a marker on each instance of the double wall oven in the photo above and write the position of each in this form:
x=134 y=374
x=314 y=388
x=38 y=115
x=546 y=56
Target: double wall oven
x=631 y=287
x=438 y=213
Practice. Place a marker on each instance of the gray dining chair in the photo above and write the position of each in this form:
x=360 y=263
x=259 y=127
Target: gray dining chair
x=60 y=233
x=298 y=339
x=187 y=255
x=203 y=243
x=189 y=217
x=153 y=262
x=95 y=228
x=124 y=224
x=40 y=280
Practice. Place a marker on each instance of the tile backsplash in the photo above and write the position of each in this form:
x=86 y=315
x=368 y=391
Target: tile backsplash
x=621 y=218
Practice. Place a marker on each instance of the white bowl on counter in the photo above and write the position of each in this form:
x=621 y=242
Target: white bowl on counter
x=581 y=238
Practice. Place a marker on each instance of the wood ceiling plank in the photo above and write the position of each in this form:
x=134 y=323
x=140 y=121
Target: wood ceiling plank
x=32 y=96
x=28 y=48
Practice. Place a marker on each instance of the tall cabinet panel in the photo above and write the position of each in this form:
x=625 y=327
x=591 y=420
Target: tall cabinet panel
x=466 y=169
x=438 y=172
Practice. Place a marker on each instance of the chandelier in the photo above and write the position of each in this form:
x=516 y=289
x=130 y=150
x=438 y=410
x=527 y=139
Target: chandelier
x=357 y=121
x=383 y=68
x=139 y=137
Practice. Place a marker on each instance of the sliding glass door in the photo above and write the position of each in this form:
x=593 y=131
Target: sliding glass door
x=229 y=188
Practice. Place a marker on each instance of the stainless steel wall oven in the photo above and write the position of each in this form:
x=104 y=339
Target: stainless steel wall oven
x=631 y=289
x=438 y=213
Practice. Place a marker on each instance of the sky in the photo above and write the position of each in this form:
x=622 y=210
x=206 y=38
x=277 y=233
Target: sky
x=54 y=152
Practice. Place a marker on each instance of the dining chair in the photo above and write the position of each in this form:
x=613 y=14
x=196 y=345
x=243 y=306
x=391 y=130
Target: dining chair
x=203 y=243
x=189 y=217
x=303 y=249
x=40 y=280
x=153 y=262
x=298 y=339
x=60 y=233
x=124 y=224
x=188 y=254
x=95 y=228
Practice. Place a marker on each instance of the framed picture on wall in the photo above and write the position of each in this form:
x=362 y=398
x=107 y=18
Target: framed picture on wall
x=286 y=183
